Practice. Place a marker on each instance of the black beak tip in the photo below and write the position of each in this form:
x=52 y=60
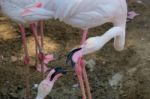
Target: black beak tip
x=69 y=56
x=58 y=70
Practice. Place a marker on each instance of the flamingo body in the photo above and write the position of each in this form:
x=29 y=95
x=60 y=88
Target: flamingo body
x=89 y=13
x=86 y=14
x=25 y=11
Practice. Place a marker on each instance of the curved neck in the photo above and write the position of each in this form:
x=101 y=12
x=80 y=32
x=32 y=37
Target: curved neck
x=111 y=33
x=100 y=41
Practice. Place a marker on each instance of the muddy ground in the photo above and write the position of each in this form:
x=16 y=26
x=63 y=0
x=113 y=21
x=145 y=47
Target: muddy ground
x=116 y=75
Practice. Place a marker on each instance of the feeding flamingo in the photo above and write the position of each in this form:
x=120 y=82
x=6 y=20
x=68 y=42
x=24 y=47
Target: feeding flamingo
x=86 y=14
x=46 y=85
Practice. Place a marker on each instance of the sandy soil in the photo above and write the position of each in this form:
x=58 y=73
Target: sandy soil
x=116 y=75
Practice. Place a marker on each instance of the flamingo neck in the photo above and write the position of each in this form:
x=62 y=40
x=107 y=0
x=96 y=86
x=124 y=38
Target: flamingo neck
x=108 y=36
x=99 y=41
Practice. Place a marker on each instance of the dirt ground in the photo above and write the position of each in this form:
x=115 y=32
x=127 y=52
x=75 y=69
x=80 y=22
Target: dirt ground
x=116 y=75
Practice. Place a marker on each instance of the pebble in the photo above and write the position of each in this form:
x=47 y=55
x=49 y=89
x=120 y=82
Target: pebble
x=116 y=80
x=91 y=64
x=75 y=85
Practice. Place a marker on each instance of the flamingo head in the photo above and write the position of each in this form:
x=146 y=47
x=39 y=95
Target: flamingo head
x=89 y=46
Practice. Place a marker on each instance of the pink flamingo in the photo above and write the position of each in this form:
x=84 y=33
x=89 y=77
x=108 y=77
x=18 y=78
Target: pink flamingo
x=86 y=14
x=46 y=85
x=26 y=12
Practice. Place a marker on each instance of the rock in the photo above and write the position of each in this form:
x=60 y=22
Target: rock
x=75 y=85
x=132 y=71
x=14 y=58
x=13 y=95
x=35 y=86
x=139 y=1
x=91 y=64
x=115 y=81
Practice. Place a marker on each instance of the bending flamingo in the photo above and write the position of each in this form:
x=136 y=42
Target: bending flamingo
x=86 y=14
x=46 y=85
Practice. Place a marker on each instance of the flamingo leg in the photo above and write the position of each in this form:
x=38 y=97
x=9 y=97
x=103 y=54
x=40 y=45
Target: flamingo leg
x=39 y=48
x=84 y=74
x=34 y=29
x=26 y=61
x=85 y=77
x=42 y=34
x=82 y=86
x=36 y=55
x=84 y=36
x=79 y=67
x=42 y=46
x=81 y=82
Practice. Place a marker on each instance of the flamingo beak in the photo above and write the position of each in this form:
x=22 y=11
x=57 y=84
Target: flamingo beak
x=70 y=55
x=58 y=70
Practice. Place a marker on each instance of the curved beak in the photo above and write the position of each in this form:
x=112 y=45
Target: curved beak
x=58 y=70
x=70 y=55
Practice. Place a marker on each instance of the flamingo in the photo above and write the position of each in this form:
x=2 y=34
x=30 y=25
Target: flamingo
x=86 y=14
x=46 y=85
x=26 y=12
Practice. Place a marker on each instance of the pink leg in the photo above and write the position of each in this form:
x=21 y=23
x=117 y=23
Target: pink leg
x=81 y=82
x=84 y=36
x=80 y=73
x=82 y=86
x=42 y=46
x=37 y=64
x=36 y=55
x=34 y=29
x=26 y=61
x=23 y=35
x=42 y=34
x=86 y=81
x=38 y=45
x=79 y=70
